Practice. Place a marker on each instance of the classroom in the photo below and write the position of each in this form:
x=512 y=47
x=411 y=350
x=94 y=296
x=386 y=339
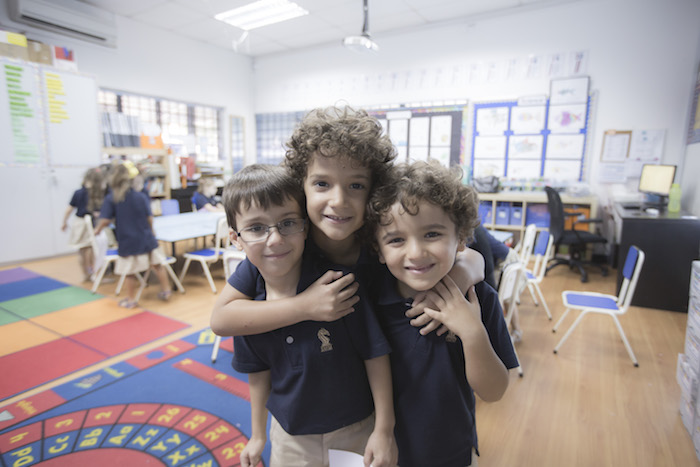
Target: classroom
x=598 y=99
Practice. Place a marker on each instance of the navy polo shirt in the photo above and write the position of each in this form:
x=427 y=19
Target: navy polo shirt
x=132 y=229
x=434 y=404
x=318 y=377
x=199 y=200
x=80 y=201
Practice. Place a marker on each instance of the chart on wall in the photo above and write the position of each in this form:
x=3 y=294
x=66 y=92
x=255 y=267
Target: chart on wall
x=543 y=137
x=21 y=127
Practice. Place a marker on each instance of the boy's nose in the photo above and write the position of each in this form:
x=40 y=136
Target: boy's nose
x=338 y=197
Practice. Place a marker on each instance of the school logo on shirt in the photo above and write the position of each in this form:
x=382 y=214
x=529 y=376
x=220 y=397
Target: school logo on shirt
x=325 y=337
x=451 y=337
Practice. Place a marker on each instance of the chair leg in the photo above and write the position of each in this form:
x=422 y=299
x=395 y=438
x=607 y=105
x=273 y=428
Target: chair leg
x=98 y=278
x=215 y=349
x=625 y=341
x=544 y=302
x=120 y=284
x=556 y=326
x=207 y=273
x=173 y=276
x=532 y=293
x=520 y=364
x=571 y=329
x=184 y=268
x=142 y=285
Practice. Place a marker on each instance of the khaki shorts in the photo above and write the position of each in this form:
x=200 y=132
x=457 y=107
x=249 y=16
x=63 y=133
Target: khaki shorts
x=79 y=235
x=139 y=263
x=312 y=450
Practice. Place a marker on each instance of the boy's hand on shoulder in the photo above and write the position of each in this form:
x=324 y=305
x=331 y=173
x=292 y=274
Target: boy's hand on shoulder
x=420 y=319
x=461 y=315
x=251 y=454
x=381 y=449
x=331 y=297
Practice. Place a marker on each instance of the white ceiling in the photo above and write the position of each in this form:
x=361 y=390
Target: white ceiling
x=328 y=21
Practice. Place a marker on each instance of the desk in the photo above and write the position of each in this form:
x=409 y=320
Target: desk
x=670 y=242
x=185 y=226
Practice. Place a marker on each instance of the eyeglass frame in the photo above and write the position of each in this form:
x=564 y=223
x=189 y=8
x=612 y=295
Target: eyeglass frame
x=269 y=230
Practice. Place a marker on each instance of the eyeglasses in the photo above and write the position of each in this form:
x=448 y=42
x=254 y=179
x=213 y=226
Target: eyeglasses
x=260 y=232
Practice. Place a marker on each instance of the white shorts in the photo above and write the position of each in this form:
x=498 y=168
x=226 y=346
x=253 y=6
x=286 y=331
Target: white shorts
x=139 y=263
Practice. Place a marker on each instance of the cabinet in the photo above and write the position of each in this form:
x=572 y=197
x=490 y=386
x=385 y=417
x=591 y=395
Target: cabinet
x=670 y=242
x=515 y=210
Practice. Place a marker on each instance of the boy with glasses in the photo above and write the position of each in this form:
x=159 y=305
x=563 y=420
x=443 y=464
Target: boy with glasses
x=318 y=379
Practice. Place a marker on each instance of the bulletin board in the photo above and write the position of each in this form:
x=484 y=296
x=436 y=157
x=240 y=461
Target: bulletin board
x=530 y=140
x=21 y=121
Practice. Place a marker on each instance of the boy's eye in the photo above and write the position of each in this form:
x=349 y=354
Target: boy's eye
x=357 y=186
x=288 y=222
x=396 y=240
x=321 y=184
x=256 y=228
x=433 y=235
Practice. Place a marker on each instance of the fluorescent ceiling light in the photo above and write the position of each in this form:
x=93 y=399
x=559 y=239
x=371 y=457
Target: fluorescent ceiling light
x=261 y=13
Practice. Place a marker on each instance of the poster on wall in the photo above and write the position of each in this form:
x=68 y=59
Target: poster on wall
x=568 y=91
x=567 y=118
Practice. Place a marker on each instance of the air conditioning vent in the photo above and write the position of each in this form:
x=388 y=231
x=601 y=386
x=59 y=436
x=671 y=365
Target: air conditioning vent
x=67 y=17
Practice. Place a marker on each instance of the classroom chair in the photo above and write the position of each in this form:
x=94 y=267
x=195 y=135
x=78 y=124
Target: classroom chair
x=231 y=258
x=104 y=256
x=508 y=296
x=208 y=256
x=534 y=276
x=169 y=207
x=613 y=306
x=144 y=281
x=577 y=241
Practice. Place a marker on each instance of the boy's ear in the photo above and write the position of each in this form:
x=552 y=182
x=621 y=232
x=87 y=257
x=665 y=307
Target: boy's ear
x=381 y=256
x=234 y=239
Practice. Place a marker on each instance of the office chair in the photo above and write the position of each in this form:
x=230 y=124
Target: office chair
x=576 y=240
x=208 y=256
x=613 y=306
x=508 y=296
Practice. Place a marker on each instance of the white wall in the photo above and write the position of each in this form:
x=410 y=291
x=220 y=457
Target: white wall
x=642 y=57
x=158 y=63
x=690 y=201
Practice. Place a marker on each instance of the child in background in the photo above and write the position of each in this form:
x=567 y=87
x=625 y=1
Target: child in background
x=340 y=155
x=421 y=219
x=86 y=200
x=130 y=211
x=321 y=381
x=204 y=199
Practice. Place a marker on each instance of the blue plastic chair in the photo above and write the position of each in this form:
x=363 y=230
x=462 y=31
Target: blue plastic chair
x=168 y=207
x=208 y=256
x=613 y=306
x=543 y=252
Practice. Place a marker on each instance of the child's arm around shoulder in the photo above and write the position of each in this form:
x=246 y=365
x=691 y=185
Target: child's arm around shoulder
x=381 y=450
x=486 y=373
x=331 y=297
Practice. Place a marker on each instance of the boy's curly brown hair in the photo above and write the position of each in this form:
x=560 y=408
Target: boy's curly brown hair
x=340 y=131
x=409 y=184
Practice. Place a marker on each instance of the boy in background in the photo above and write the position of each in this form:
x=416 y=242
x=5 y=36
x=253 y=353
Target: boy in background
x=421 y=220
x=321 y=381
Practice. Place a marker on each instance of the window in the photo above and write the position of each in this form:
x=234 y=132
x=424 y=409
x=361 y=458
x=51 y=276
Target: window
x=187 y=128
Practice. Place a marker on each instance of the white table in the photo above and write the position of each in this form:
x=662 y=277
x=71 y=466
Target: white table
x=185 y=226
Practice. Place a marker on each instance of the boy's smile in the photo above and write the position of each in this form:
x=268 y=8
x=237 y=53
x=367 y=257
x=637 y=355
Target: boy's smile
x=418 y=250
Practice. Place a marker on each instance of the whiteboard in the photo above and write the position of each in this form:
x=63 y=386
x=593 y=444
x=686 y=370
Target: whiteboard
x=71 y=116
x=21 y=125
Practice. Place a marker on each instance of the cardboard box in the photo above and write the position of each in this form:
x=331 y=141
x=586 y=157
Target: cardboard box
x=13 y=45
x=40 y=52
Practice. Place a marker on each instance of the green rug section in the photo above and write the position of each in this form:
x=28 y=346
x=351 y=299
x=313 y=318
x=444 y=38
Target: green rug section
x=7 y=317
x=47 y=302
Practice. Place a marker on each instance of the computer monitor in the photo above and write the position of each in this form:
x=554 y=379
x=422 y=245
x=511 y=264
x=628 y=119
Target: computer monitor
x=655 y=182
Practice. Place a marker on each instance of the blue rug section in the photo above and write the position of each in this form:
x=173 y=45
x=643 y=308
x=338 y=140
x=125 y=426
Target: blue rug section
x=27 y=287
